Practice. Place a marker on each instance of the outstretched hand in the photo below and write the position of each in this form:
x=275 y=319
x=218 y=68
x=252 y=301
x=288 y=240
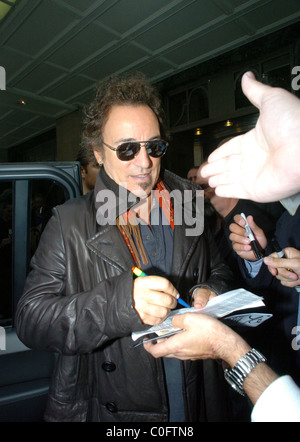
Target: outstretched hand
x=261 y=165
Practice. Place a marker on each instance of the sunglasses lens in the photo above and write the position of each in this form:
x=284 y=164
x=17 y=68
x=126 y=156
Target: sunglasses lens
x=127 y=151
x=156 y=148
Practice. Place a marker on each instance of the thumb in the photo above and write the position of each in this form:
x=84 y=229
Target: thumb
x=253 y=89
x=178 y=321
x=201 y=297
x=253 y=226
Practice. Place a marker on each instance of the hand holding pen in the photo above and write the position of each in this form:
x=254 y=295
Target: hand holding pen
x=253 y=242
x=139 y=272
x=248 y=239
x=154 y=297
x=201 y=295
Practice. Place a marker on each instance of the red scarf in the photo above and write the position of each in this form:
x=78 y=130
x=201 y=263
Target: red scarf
x=126 y=228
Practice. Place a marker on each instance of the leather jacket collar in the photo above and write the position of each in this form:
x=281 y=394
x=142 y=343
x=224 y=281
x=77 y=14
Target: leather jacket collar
x=111 y=200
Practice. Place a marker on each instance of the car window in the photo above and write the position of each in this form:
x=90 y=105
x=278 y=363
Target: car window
x=45 y=194
x=28 y=193
x=6 y=234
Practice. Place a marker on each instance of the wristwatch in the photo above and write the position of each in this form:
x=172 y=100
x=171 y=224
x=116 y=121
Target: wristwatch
x=236 y=376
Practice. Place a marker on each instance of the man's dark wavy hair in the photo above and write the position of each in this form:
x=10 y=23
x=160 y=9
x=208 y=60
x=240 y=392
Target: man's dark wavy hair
x=133 y=89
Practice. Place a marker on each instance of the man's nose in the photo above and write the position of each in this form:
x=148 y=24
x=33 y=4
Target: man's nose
x=143 y=159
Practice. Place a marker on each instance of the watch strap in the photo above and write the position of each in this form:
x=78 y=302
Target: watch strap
x=236 y=376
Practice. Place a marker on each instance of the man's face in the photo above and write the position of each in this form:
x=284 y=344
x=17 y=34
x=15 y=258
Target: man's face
x=131 y=123
x=89 y=174
x=192 y=174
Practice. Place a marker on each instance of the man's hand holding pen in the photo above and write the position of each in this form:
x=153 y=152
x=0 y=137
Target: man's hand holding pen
x=241 y=242
x=154 y=297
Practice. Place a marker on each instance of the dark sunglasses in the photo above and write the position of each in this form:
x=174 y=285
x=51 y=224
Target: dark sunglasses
x=127 y=151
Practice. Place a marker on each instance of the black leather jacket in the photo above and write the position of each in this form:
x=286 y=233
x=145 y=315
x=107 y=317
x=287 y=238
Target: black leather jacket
x=78 y=303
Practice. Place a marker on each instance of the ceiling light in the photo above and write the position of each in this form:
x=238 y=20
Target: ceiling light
x=22 y=102
x=228 y=123
x=198 y=131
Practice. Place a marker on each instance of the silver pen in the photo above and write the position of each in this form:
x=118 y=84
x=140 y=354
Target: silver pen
x=253 y=242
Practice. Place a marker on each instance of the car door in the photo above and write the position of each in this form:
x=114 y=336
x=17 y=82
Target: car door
x=28 y=192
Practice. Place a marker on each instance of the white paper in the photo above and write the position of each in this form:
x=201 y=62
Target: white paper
x=217 y=307
x=247 y=319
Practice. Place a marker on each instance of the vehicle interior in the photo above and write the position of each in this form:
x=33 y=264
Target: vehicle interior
x=52 y=54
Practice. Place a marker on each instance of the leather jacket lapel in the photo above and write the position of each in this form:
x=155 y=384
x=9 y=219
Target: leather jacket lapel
x=109 y=245
x=110 y=201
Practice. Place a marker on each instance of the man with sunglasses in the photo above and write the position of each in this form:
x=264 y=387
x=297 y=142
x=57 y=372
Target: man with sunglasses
x=81 y=299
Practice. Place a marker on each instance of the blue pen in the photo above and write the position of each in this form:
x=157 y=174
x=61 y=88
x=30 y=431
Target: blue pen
x=139 y=272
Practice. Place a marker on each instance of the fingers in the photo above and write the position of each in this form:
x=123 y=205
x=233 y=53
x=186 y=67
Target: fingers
x=253 y=89
x=217 y=159
x=174 y=346
x=154 y=297
x=163 y=349
x=291 y=252
x=156 y=283
x=201 y=297
x=149 y=313
x=283 y=270
x=240 y=240
x=202 y=337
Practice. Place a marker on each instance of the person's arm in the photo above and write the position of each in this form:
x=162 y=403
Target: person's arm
x=274 y=398
x=51 y=315
x=54 y=315
x=263 y=164
x=258 y=381
x=280 y=402
x=208 y=338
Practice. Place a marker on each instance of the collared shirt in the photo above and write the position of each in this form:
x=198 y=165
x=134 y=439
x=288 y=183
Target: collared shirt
x=158 y=244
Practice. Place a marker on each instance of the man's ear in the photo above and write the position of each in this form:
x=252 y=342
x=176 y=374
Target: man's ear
x=82 y=172
x=98 y=156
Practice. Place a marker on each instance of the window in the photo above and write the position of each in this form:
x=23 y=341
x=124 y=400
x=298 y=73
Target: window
x=28 y=191
x=241 y=101
x=6 y=234
x=27 y=195
x=188 y=106
x=44 y=195
x=198 y=104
